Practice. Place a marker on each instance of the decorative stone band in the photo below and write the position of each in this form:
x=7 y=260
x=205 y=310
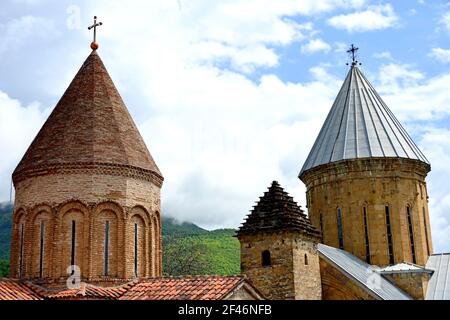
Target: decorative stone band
x=92 y=168
x=372 y=167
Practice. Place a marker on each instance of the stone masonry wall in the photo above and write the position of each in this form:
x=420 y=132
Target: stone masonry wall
x=336 y=286
x=287 y=277
x=372 y=184
x=413 y=283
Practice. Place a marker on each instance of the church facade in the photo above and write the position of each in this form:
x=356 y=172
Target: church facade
x=87 y=216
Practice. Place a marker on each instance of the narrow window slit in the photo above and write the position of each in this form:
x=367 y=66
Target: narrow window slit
x=106 y=252
x=389 y=235
x=411 y=234
x=41 y=249
x=366 y=236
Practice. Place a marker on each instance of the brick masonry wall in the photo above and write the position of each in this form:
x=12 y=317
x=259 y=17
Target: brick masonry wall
x=372 y=183
x=90 y=200
x=287 y=277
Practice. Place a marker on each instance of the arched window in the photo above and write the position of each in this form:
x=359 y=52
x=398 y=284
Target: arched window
x=139 y=244
x=389 y=235
x=22 y=238
x=366 y=235
x=339 y=226
x=306 y=259
x=411 y=233
x=265 y=258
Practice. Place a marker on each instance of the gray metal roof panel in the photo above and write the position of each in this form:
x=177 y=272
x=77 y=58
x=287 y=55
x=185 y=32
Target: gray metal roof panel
x=367 y=276
x=360 y=125
x=439 y=284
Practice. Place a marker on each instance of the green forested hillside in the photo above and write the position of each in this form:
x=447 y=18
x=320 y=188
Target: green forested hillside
x=5 y=230
x=187 y=248
x=5 y=238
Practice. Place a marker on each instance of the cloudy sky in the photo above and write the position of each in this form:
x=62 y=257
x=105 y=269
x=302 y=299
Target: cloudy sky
x=230 y=95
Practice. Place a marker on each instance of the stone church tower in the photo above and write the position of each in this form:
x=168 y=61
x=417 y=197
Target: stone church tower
x=365 y=180
x=279 y=248
x=87 y=190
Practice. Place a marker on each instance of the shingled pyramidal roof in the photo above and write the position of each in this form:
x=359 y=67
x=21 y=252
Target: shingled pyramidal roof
x=90 y=124
x=360 y=125
x=276 y=210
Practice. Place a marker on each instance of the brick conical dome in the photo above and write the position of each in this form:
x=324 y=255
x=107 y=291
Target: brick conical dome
x=277 y=211
x=89 y=125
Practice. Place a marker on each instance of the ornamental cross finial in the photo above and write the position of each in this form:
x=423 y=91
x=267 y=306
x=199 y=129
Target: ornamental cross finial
x=94 y=44
x=352 y=52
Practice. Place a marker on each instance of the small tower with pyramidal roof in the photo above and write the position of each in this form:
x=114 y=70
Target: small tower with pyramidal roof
x=87 y=190
x=365 y=179
x=279 y=248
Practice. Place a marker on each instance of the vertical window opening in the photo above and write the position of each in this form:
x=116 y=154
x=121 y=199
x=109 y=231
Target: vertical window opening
x=411 y=234
x=21 y=250
x=106 y=252
x=72 y=255
x=389 y=236
x=426 y=230
x=41 y=249
x=306 y=259
x=136 y=249
x=265 y=257
x=366 y=236
x=339 y=225
x=321 y=224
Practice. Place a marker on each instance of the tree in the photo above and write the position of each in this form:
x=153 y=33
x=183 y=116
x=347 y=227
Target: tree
x=4 y=268
x=184 y=256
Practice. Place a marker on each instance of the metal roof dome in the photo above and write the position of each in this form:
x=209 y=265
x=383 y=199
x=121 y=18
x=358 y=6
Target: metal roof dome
x=360 y=125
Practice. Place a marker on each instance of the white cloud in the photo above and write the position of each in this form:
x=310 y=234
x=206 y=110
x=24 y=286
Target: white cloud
x=435 y=143
x=375 y=17
x=382 y=55
x=445 y=20
x=15 y=32
x=18 y=126
x=314 y=46
x=443 y=55
x=340 y=47
x=411 y=95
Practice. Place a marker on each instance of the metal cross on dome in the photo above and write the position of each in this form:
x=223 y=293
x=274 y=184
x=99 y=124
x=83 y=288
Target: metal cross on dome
x=352 y=52
x=94 y=44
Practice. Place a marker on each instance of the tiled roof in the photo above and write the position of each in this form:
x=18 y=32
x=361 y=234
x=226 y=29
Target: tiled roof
x=360 y=125
x=365 y=275
x=439 y=284
x=184 y=288
x=11 y=289
x=276 y=210
x=165 y=288
x=89 y=125
x=86 y=291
